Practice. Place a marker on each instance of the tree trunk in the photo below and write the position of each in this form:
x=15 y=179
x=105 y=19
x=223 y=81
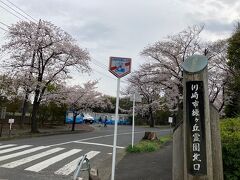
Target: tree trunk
x=179 y=113
x=74 y=121
x=151 y=119
x=150 y=136
x=24 y=108
x=34 y=128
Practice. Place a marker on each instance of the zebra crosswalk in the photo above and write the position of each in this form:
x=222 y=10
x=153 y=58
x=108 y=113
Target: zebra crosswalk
x=2 y=158
x=14 y=149
x=20 y=162
x=33 y=159
x=8 y=145
x=44 y=164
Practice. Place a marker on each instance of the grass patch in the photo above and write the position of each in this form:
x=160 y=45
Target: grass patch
x=148 y=146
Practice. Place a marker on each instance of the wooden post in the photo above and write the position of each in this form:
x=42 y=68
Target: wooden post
x=198 y=163
x=197 y=151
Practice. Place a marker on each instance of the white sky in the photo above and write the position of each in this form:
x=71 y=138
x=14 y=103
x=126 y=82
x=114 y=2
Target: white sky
x=124 y=27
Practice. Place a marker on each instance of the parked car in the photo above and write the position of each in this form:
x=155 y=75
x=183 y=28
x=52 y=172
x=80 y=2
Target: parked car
x=88 y=119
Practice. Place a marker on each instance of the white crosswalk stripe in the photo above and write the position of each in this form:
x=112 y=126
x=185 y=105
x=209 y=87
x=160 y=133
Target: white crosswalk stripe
x=6 y=146
x=2 y=158
x=13 y=154
x=44 y=164
x=70 y=167
x=14 y=149
x=31 y=158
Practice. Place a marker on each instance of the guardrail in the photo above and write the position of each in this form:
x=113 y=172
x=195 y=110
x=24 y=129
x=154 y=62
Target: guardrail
x=79 y=168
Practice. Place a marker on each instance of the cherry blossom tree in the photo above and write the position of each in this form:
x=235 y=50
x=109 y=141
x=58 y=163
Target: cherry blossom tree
x=8 y=88
x=44 y=54
x=150 y=91
x=79 y=97
x=166 y=57
x=106 y=105
x=83 y=98
x=219 y=72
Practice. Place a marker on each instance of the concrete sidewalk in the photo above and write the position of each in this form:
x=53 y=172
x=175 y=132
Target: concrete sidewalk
x=146 y=166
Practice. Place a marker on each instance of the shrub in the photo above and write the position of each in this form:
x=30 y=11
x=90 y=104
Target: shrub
x=230 y=134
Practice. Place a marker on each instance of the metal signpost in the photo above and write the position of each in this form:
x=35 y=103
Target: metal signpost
x=134 y=98
x=170 y=121
x=10 y=121
x=119 y=67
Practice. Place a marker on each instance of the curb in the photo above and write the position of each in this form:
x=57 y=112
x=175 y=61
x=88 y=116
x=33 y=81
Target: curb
x=105 y=168
x=44 y=134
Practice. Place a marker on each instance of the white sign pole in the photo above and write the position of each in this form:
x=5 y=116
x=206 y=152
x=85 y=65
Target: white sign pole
x=170 y=120
x=133 y=120
x=10 y=121
x=115 y=131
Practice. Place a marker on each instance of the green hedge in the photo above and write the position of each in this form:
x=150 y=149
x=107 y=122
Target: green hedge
x=230 y=135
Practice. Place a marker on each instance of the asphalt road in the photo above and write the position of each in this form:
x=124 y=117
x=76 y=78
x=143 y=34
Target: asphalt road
x=55 y=157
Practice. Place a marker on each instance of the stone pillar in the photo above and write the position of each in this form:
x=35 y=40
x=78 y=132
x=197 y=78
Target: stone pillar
x=177 y=165
x=197 y=151
x=216 y=144
x=198 y=163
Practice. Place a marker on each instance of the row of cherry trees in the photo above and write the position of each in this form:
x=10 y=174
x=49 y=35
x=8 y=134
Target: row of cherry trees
x=39 y=59
x=159 y=80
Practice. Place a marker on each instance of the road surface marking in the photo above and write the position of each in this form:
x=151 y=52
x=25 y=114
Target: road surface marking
x=21 y=153
x=14 y=149
x=96 y=137
x=70 y=167
x=44 y=164
x=8 y=145
x=98 y=144
x=30 y=158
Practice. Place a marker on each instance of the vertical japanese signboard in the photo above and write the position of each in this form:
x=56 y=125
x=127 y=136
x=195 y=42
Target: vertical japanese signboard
x=196 y=142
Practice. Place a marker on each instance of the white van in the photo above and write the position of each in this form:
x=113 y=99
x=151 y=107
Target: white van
x=88 y=119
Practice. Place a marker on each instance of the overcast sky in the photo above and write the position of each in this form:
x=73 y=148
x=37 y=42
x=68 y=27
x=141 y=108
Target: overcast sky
x=124 y=27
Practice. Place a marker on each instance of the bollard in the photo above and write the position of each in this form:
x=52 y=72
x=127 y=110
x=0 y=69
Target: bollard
x=93 y=175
